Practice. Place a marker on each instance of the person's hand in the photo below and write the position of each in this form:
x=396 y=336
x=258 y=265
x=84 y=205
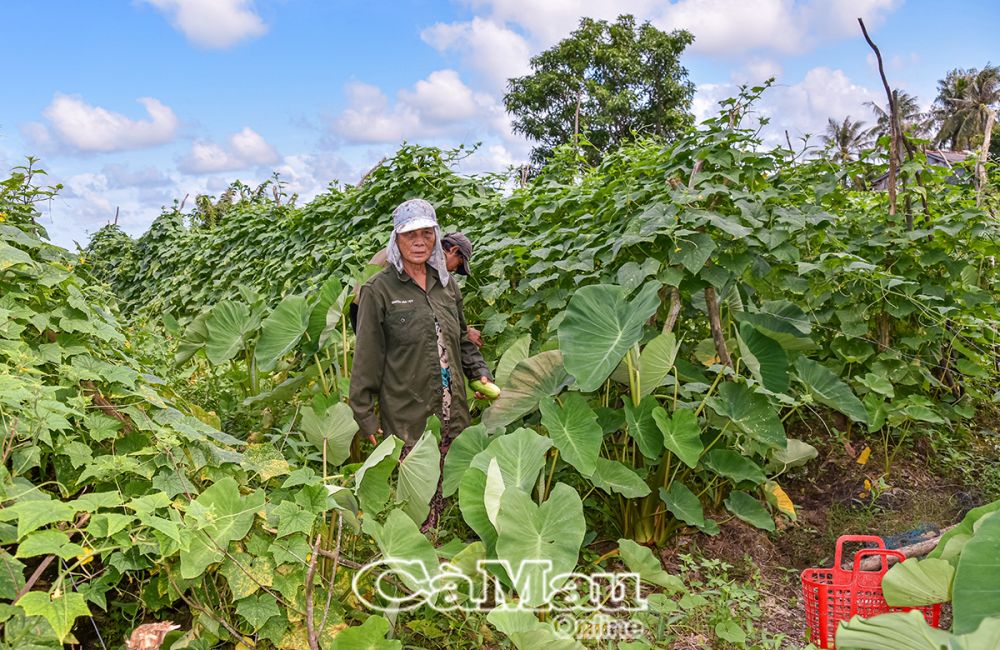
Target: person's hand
x=475 y=336
x=371 y=437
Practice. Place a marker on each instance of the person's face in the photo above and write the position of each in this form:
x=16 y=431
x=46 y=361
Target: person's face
x=416 y=246
x=453 y=258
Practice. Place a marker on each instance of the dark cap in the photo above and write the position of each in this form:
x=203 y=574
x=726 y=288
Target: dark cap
x=464 y=245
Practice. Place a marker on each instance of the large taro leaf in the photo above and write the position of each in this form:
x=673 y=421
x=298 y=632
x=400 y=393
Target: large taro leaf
x=333 y=429
x=531 y=380
x=826 y=388
x=463 y=449
x=515 y=354
x=681 y=434
x=371 y=481
x=915 y=582
x=952 y=543
x=193 y=339
x=749 y=509
x=227 y=325
x=730 y=464
x=218 y=516
x=976 y=591
x=641 y=560
x=612 y=476
x=796 y=453
x=370 y=635
x=643 y=428
x=405 y=549
x=751 y=412
x=574 y=430
x=782 y=321
x=418 y=477
x=281 y=331
x=329 y=301
x=897 y=631
x=550 y=533
x=520 y=455
x=471 y=501
x=683 y=504
x=655 y=362
x=600 y=326
x=766 y=359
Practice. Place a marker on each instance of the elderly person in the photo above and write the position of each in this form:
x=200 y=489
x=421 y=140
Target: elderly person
x=413 y=353
x=457 y=253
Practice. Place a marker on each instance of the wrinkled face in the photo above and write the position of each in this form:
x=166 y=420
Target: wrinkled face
x=453 y=258
x=416 y=246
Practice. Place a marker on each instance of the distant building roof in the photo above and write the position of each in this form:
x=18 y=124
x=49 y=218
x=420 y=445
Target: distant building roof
x=940 y=157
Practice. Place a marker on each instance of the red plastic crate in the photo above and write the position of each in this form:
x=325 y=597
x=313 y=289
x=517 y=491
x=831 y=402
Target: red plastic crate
x=835 y=594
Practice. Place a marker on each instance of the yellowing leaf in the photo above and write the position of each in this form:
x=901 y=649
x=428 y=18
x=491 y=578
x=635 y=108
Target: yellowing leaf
x=863 y=456
x=780 y=499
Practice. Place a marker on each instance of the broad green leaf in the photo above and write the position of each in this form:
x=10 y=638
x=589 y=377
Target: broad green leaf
x=10 y=256
x=728 y=463
x=521 y=456
x=329 y=302
x=952 y=543
x=878 y=384
x=32 y=515
x=530 y=380
x=782 y=321
x=553 y=531
x=281 y=331
x=293 y=518
x=795 y=454
x=218 y=515
x=11 y=575
x=370 y=635
x=574 y=430
x=827 y=388
x=460 y=454
x=643 y=428
x=683 y=504
x=493 y=491
x=335 y=427
x=371 y=481
x=48 y=542
x=730 y=630
x=765 y=358
x=418 y=478
x=257 y=609
x=227 y=325
x=600 y=326
x=681 y=434
x=975 y=593
x=640 y=559
x=896 y=631
x=655 y=362
x=194 y=338
x=749 y=510
x=471 y=501
x=515 y=354
x=60 y=611
x=405 y=549
x=612 y=476
x=751 y=412
x=915 y=582
x=692 y=252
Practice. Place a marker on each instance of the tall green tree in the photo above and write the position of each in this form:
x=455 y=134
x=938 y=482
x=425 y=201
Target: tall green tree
x=963 y=106
x=609 y=82
x=845 y=139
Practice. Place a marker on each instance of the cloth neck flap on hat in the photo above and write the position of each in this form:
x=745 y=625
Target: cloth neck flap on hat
x=436 y=261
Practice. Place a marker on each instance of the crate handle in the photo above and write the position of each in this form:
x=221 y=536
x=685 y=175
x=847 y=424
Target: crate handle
x=884 y=553
x=843 y=539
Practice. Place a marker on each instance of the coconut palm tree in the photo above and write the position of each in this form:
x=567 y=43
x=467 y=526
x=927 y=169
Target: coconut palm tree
x=963 y=106
x=911 y=119
x=844 y=139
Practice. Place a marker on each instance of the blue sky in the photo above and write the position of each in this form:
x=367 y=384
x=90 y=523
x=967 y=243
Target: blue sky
x=133 y=104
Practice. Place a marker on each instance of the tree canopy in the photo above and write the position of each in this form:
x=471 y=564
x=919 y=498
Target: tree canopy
x=607 y=81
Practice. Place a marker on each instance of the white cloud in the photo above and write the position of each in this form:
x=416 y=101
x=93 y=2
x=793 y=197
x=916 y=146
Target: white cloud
x=800 y=108
x=74 y=123
x=123 y=176
x=549 y=22
x=438 y=106
x=245 y=149
x=212 y=23
x=496 y=52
